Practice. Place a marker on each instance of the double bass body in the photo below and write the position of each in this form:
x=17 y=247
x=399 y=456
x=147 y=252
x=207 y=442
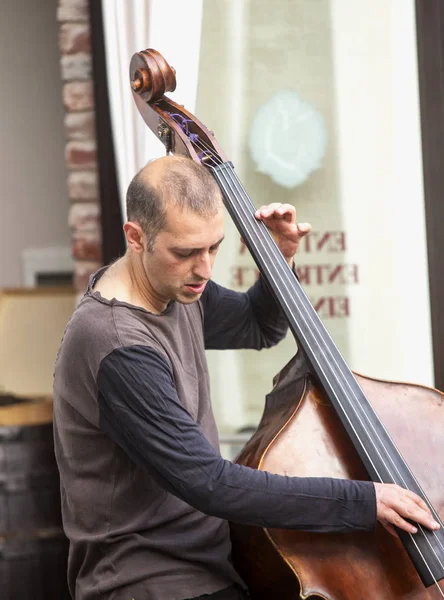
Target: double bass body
x=301 y=435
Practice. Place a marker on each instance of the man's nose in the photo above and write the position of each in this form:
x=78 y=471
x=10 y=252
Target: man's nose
x=204 y=266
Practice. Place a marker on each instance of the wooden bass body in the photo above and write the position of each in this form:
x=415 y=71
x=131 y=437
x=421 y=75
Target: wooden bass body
x=301 y=435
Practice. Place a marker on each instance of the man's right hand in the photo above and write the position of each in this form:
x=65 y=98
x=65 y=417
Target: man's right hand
x=395 y=504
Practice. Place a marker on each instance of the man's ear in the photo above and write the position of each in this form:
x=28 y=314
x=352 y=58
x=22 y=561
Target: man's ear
x=135 y=237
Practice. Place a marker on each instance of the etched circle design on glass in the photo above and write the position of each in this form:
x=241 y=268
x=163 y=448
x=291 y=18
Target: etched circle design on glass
x=287 y=139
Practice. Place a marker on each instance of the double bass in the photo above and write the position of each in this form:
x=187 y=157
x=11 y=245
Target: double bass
x=320 y=419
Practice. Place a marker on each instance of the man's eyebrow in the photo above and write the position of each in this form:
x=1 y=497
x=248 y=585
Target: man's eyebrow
x=183 y=249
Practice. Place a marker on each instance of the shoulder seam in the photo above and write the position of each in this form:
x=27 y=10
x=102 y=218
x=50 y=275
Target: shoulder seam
x=115 y=325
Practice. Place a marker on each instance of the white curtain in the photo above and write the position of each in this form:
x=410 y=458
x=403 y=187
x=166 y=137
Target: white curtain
x=172 y=28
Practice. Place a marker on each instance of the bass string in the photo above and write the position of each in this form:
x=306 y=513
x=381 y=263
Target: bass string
x=254 y=233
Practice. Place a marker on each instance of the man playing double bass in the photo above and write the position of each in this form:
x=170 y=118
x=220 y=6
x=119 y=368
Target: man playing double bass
x=146 y=496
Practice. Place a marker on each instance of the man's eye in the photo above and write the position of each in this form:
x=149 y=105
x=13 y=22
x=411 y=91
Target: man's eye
x=184 y=255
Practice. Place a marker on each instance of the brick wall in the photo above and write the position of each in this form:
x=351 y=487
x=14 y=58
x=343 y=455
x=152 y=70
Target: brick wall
x=80 y=149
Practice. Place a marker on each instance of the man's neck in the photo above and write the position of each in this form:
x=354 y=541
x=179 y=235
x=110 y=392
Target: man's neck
x=125 y=280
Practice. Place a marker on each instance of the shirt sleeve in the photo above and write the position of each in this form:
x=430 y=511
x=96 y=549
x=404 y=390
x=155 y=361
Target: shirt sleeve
x=249 y=319
x=141 y=412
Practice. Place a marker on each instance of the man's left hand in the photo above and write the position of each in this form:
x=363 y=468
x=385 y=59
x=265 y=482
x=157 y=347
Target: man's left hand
x=280 y=219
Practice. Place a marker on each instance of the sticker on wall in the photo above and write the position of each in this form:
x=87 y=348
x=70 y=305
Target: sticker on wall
x=288 y=139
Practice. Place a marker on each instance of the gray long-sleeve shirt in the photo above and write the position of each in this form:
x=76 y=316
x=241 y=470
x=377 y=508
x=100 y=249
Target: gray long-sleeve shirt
x=145 y=492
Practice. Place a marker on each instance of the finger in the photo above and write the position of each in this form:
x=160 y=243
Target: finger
x=277 y=210
x=303 y=228
x=418 y=500
x=396 y=519
x=417 y=510
x=287 y=212
x=266 y=210
x=423 y=517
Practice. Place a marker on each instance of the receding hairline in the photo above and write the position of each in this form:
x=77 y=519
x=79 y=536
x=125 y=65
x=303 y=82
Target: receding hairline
x=159 y=175
x=154 y=172
x=171 y=181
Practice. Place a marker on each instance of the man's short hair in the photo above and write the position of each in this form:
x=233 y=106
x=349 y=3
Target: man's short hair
x=182 y=182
